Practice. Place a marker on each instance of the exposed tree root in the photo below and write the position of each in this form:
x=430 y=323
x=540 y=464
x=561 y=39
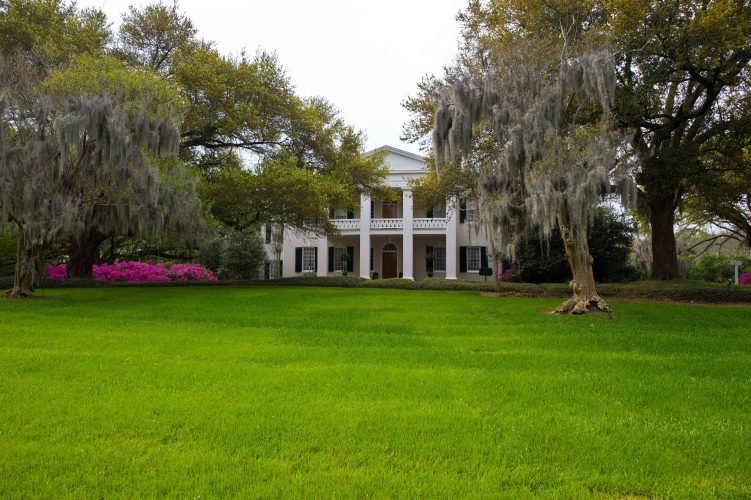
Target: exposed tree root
x=580 y=305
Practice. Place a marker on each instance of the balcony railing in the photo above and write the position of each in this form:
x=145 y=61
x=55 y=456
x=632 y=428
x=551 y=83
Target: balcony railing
x=386 y=223
x=354 y=224
x=438 y=223
x=346 y=224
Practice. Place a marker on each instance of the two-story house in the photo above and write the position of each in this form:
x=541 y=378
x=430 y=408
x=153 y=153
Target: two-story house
x=393 y=239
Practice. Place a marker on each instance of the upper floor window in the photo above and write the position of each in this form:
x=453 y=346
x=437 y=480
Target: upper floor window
x=472 y=211
x=340 y=213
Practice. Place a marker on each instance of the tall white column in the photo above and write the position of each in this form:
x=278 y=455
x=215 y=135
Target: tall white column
x=364 y=236
x=452 y=217
x=408 y=258
x=323 y=257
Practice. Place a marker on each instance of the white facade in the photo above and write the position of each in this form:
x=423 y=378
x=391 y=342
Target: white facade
x=389 y=240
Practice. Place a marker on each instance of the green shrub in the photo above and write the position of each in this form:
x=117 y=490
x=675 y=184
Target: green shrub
x=716 y=268
x=243 y=256
x=389 y=283
x=210 y=254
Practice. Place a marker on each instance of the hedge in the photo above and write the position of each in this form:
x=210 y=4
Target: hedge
x=679 y=291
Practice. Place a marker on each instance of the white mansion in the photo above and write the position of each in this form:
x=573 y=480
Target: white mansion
x=389 y=240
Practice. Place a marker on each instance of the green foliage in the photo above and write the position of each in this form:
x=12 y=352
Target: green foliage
x=51 y=31
x=210 y=254
x=717 y=268
x=136 y=88
x=243 y=256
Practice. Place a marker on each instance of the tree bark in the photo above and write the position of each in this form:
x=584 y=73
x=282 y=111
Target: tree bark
x=84 y=253
x=585 y=297
x=23 y=280
x=664 y=249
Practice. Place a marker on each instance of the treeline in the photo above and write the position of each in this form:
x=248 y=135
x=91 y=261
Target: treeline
x=146 y=141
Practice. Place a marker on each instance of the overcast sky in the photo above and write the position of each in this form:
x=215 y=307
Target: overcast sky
x=365 y=57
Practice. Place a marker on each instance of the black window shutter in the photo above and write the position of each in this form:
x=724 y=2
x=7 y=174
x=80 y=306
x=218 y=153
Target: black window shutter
x=267 y=269
x=331 y=259
x=428 y=262
x=483 y=257
x=351 y=260
x=462 y=259
x=371 y=258
x=429 y=215
x=372 y=210
x=462 y=212
x=298 y=259
x=315 y=259
x=281 y=267
x=350 y=214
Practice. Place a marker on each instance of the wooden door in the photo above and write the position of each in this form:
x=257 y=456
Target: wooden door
x=389 y=265
x=389 y=210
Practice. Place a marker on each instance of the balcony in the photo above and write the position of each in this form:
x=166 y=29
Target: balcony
x=346 y=224
x=437 y=223
x=386 y=224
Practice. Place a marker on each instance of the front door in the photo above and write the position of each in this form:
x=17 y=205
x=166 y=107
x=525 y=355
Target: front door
x=389 y=265
x=389 y=210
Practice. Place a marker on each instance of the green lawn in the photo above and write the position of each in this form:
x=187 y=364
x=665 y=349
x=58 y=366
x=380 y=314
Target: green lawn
x=309 y=392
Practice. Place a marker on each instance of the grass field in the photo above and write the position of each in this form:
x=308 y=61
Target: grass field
x=307 y=392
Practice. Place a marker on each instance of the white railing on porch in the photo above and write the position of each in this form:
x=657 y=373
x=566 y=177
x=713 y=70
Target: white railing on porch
x=386 y=223
x=438 y=223
x=345 y=224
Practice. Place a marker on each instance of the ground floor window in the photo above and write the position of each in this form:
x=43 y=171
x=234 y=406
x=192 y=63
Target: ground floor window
x=308 y=259
x=473 y=258
x=439 y=258
x=339 y=263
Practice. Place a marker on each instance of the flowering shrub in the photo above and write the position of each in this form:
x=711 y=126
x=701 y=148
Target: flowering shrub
x=57 y=272
x=505 y=275
x=744 y=279
x=190 y=272
x=133 y=271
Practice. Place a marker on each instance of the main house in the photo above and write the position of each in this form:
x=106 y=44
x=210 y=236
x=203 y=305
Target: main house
x=392 y=239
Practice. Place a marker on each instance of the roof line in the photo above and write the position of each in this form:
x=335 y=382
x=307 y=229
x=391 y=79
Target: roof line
x=398 y=151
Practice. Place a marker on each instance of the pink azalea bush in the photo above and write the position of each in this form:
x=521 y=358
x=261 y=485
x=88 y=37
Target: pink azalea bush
x=744 y=279
x=505 y=275
x=57 y=272
x=190 y=272
x=134 y=271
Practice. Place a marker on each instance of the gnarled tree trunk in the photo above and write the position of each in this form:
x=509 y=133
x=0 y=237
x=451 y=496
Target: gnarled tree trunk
x=585 y=297
x=664 y=250
x=23 y=281
x=84 y=253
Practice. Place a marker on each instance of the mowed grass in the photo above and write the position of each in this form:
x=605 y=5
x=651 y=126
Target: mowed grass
x=310 y=392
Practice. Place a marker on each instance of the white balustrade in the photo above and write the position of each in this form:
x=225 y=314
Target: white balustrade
x=346 y=224
x=386 y=224
x=438 y=223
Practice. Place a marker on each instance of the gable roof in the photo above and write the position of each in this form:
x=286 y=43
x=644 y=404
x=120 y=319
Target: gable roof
x=397 y=151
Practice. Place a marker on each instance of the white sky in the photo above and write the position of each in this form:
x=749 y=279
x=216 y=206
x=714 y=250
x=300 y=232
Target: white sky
x=366 y=57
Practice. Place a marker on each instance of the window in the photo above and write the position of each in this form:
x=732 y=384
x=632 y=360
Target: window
x=439 y=258
x=268 y=233
x=473 y=259
x=472 y=211
x=340 y=213
x=339 y=263
x=308 y=259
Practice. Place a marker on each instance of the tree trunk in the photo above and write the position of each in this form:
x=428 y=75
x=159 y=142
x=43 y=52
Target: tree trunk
x=585 y=297
x=84 y=253
x=664 y=250
x=23 y=281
